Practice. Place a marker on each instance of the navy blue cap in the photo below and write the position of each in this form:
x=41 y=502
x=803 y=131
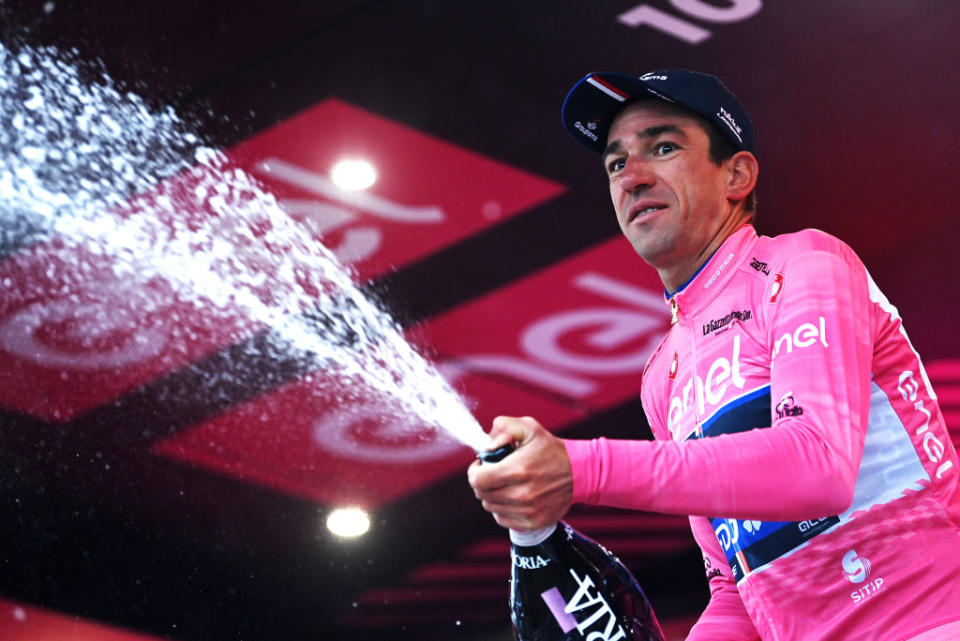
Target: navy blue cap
x=591 y=106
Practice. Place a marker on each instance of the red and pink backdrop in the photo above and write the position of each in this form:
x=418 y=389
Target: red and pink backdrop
x=489 y=236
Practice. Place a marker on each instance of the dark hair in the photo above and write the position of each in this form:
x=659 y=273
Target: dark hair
x=721 y=149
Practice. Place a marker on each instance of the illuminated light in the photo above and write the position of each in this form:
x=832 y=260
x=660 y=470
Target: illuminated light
x=492 y=210
x=348 y=522
x=353 y=175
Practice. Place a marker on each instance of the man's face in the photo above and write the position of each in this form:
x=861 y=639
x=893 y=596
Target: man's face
x=670 y=198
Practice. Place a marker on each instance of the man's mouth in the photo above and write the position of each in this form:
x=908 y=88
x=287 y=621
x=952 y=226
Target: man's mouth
x=637 y=213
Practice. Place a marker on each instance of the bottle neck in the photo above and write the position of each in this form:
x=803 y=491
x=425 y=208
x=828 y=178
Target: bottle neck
x=532 y=537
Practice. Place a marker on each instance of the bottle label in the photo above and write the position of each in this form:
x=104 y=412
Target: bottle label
x=557 y=606
x=531 y=562
x=598 y=621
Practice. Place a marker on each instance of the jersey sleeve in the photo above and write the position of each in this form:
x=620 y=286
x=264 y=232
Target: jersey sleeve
x=805 y=465
x=725 y=616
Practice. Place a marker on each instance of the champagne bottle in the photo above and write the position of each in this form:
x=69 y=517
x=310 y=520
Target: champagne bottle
x=567 y=587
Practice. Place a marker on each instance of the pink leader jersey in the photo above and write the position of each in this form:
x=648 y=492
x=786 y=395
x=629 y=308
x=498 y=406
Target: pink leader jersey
x=793 y=417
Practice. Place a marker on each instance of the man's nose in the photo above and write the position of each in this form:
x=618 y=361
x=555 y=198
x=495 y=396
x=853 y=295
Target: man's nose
x=636 y=175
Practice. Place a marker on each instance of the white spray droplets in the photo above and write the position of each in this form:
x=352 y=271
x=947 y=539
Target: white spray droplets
x=130 y=190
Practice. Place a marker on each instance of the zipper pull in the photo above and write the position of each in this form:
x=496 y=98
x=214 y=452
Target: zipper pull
x=674 y=311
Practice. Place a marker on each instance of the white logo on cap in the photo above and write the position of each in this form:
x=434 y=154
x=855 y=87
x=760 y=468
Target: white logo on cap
x=586 y=132
x=660 y=95
x=650 y=76
x=728 y=120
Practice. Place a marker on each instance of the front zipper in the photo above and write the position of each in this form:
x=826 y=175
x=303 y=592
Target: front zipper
x=697 y=393
x=697 y=389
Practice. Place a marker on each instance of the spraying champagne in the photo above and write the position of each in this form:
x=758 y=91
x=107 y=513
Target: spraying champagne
x=568 y=587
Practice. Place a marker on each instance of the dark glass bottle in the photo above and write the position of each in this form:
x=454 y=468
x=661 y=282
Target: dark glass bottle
x=569 y=587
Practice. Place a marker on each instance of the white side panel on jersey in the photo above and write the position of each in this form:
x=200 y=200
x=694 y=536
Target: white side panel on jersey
x=890 y=464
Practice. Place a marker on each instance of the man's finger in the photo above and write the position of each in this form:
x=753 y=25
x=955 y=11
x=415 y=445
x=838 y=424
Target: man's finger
x=512 y=429
x=485 y=478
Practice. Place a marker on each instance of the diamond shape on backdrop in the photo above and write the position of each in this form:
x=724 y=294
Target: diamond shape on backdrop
x=84 y=320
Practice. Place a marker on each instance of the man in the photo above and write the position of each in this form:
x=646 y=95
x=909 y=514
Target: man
x=793 y=420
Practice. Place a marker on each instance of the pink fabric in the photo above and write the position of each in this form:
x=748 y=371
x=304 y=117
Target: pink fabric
x=949 y=632
x=838 y=517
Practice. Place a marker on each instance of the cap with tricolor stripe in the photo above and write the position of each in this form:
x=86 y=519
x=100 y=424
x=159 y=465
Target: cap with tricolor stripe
x=591 y=106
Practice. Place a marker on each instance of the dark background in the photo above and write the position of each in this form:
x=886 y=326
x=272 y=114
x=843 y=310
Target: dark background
x=855 y=108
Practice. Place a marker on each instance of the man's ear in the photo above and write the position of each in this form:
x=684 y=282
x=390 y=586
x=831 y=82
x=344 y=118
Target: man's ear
x=744 y=170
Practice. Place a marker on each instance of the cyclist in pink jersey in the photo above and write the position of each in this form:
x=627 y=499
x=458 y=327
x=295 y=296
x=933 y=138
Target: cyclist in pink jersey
x=794 y=422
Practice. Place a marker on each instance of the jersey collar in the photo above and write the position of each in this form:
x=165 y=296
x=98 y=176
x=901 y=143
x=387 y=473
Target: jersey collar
x=713 y=274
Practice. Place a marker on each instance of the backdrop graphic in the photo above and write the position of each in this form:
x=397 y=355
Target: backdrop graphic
x=164 y=464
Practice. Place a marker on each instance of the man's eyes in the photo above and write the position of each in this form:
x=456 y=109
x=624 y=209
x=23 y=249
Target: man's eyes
x=659 y=149
x=663 y=148
x=616 y=165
